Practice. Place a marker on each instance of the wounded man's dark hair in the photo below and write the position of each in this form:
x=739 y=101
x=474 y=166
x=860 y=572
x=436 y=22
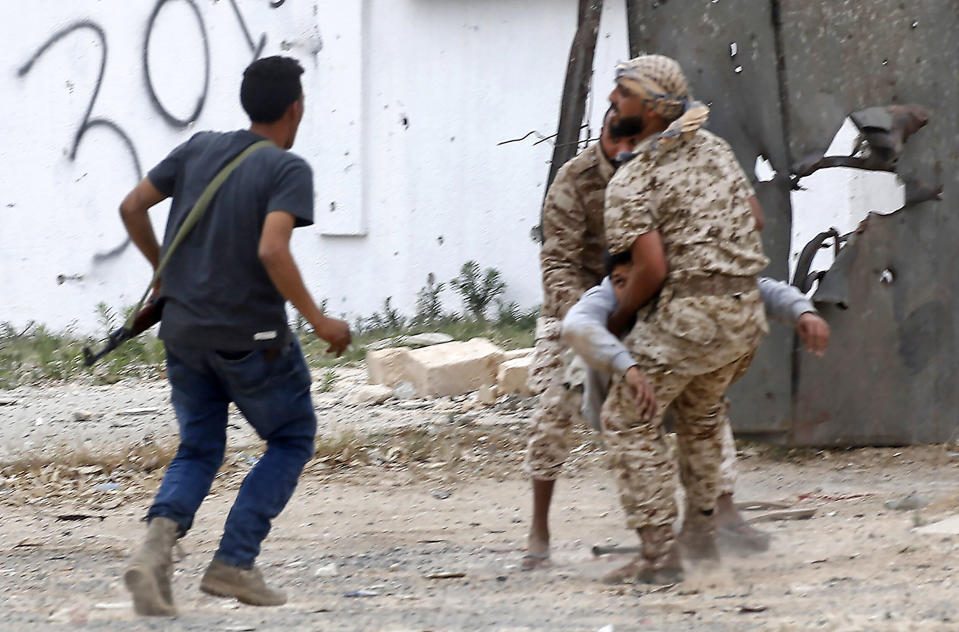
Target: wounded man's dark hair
x=269 y=86
x=611 y=260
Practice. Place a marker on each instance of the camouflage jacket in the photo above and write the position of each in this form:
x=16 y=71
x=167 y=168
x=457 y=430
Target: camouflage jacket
x=571 y=258
x=696 y=195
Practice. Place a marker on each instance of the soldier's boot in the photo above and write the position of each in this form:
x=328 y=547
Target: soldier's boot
x=659 y=563
x=244 y=584
x=735 y=534
x=148 y=573
x=697 y=540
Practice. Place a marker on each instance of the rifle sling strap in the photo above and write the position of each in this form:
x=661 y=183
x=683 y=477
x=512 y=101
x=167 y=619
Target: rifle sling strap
x=194 y=217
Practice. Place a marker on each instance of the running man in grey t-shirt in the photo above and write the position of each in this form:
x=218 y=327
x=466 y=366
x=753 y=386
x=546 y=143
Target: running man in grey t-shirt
x=226 y=333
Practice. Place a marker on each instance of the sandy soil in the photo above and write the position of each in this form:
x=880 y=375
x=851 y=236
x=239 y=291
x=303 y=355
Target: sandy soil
x=435 y=544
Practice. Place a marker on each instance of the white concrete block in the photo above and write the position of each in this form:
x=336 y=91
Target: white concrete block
x=949 y=526
x=427 y=339
x=487 y=395
x=453 y=368
x=512 y=374
x=387 y=366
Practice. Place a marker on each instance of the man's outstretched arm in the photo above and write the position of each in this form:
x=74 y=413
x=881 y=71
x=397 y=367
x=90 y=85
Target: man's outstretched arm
x=786 y=304
x=584 y=330
x=274 y=252
x=134 y=211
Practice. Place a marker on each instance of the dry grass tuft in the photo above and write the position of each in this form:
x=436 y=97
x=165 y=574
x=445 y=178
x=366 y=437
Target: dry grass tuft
x=144 y=457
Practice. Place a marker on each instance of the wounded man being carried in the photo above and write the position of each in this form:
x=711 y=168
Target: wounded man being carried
x=600 y=354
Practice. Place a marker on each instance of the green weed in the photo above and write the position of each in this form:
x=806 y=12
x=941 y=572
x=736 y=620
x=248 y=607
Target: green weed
x=429 y=306
x=328 y=381
x=36 y=354
x=477 y=288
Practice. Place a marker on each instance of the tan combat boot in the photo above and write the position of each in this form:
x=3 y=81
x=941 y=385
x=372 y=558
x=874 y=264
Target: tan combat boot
x=148 y=574
x=659 y=563
x=245 y=584
x=697 y=540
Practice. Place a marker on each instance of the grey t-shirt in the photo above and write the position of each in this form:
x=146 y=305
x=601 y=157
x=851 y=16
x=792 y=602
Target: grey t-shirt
x=218 y=294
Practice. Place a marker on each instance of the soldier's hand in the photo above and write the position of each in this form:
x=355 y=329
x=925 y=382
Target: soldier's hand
x=642 y=391
x=813 y=332
x=334 y=331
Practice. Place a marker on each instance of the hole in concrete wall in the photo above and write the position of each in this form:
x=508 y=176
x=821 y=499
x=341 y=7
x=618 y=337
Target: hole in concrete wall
x=840 y=197
x=763 y=169
x=63 y=278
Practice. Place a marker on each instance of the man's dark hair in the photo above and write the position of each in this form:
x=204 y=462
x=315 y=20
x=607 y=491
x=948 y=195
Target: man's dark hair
x=269 y=86
x=611 y=260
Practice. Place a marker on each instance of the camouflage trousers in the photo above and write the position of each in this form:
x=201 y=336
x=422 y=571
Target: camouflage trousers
x=559 y=409
x=727 y=467
x=645 y=466
x=559 y=404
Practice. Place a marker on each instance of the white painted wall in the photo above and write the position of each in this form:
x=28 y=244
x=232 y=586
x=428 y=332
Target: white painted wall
x=395 y=201
x=407 y=102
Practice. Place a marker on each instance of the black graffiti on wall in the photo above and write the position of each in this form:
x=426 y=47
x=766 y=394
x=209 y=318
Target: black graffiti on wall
x=90 y=121
x=154 y=98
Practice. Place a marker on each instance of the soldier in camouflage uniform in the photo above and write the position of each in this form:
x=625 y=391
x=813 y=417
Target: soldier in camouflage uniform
x=571 y=260
x=683 y=208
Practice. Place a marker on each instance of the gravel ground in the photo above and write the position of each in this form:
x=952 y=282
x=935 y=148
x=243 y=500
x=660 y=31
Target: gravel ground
x=42 y=420
x=434 y=543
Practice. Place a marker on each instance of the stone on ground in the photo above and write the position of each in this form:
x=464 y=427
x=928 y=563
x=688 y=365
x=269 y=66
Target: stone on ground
x=487 y=395
x=512 y=376
x=416 y=340
x=387 y=366
x=949 y=526
x=369 y=394
x=453 y=368
x=427 y=339
x=517 y=353
x=404 y=390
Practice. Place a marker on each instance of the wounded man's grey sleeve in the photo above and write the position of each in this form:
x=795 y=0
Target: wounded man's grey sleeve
x=584 y=331
x=784 y=303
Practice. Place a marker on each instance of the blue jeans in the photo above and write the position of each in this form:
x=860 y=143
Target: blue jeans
x=272 y=390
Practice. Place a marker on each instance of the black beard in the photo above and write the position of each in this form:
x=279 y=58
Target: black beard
x=620 y=128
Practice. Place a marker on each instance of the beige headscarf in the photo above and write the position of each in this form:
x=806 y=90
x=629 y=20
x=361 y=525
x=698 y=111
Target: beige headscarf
x=660 y=82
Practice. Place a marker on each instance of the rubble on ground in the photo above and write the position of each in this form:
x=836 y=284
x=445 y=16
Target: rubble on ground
x=452 y=368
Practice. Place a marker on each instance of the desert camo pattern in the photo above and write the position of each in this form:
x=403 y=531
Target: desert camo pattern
x=559 y=404
x=571 y=258
x=696 y=196
x=640 y=454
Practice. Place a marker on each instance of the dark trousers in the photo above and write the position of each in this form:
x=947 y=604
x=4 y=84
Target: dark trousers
x=272 y=390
